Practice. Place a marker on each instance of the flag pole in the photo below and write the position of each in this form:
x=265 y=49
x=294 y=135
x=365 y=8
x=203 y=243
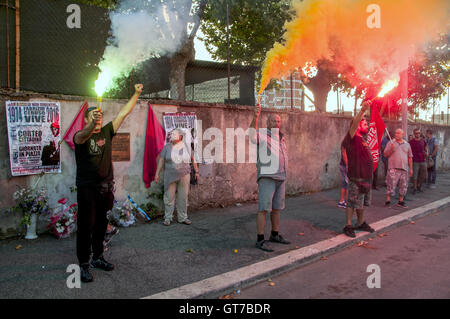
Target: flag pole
x=387 y=132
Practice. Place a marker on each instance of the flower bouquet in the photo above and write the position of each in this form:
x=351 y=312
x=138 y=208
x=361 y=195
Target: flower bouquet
x=29 y=202
x=122 y=215
x=63 y=222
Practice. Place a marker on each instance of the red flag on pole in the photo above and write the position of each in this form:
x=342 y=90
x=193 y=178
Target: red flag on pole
x=376 y=130
x=77 y=125
x=154 y=143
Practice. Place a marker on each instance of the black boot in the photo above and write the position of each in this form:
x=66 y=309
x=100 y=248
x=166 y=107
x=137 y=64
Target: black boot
x=102 y=264
x=85 y=275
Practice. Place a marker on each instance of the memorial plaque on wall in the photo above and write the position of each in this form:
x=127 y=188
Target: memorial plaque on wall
x=121 y=147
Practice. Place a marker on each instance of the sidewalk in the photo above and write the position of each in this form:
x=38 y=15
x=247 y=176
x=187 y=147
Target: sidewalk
x=151 y=259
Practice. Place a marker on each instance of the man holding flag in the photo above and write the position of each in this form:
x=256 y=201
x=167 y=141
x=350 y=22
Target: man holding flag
x=360 y=168
x=95 y=183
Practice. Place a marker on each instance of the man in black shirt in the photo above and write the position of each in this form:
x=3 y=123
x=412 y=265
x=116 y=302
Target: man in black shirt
x=360 y=169
x=95 y=184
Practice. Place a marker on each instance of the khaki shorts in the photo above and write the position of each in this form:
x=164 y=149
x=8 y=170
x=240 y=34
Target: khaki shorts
x=419 y=171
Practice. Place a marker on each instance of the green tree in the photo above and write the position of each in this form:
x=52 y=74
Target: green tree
x=429 y=75
x=254 y=26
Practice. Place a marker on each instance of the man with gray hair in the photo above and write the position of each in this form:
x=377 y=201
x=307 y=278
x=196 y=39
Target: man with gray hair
x=271 y=176
x=400 y=157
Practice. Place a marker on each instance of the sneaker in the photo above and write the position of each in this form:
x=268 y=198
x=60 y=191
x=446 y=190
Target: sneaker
x=102 y=264
x=342 y=204
x=166 y=223
x=348 y=230
x=387 y=203
x=278 y=239
x=402 y=204
x=263 y=246
x=365 y=227
x=432 y=186
x=420 y=190
x=85 y=275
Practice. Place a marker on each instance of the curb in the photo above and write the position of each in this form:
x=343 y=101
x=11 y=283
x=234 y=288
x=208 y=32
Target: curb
x=216 y=286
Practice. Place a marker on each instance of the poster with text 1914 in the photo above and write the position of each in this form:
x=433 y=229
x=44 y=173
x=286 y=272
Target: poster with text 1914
x=34 y=137
x=186 y=121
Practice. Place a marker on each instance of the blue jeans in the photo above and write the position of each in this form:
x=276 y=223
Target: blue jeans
x=432 y=173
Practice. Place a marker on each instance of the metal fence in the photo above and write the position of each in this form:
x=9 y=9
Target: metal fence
x=54 y=58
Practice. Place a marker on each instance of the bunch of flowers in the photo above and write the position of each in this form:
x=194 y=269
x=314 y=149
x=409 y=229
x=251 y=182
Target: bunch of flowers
x=122 y=215
x=30 y=201
x=63 y=222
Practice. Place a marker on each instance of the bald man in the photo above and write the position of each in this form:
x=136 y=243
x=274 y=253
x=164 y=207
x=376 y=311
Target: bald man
x=400 y=157
x=271 y=177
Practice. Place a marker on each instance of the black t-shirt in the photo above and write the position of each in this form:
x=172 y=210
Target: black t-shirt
x=360 y=161
x=94 y=158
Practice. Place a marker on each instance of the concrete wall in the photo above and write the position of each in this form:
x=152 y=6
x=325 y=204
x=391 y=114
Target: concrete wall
x=313 y=142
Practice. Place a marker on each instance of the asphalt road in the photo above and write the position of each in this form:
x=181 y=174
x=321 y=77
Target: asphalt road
x=414 y=262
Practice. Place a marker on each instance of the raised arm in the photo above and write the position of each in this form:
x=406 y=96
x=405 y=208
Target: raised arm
x=254 y=124
x=126 y=110
x=355 y=123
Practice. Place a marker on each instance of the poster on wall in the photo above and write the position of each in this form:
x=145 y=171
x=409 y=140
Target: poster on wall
x=186 y=121
x=34 y=137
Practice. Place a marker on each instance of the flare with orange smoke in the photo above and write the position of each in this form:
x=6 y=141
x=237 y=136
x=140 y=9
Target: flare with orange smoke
x=338 y=31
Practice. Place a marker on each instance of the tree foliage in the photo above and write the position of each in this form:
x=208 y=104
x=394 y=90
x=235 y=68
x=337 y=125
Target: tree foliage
x=254 y=26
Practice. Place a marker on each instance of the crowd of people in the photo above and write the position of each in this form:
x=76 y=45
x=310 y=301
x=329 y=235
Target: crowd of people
x=95 y=178
x=404 y=162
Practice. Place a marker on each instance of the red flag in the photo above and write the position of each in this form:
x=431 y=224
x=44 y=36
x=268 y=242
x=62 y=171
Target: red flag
x=154 y=143
x=77 y=125
x=376 y=130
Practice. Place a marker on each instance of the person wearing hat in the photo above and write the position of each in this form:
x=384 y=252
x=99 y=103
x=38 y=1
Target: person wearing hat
x=95 y=184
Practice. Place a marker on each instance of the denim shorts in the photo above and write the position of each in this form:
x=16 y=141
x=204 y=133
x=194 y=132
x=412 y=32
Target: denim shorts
x=272 y=194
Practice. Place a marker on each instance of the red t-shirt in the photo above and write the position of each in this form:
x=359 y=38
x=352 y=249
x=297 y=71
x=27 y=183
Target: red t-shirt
x=418 y=150
x=360 y=161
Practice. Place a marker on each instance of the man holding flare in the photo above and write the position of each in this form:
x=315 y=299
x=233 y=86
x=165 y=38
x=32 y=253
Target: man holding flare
x=95 y=184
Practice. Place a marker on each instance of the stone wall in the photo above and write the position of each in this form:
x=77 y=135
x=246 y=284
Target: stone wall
x=313 y=143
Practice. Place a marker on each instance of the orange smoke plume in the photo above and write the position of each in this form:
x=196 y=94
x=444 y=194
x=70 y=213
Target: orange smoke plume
x=338 y=31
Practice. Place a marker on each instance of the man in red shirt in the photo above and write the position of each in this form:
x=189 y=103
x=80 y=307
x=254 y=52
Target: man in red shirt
x=360 y=169
x=420 y=153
